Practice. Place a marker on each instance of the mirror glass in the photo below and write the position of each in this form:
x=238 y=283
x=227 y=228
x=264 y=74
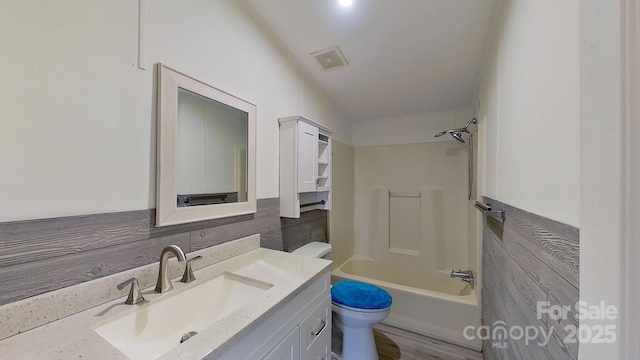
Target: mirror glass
x=206 y=151
x=212 y=151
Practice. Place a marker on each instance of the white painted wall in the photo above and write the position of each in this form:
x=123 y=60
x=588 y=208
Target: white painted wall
x=342 y=194
x=317 y=106
x=408 y=129
x=529 y=101
x=631 y=111
x=602 y=175
x=554 y=90
x=78 y=119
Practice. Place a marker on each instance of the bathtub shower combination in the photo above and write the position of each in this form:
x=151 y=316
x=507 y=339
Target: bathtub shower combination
x=418 y=227
x=438 y=307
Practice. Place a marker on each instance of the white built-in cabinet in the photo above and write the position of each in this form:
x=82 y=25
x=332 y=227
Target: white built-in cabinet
x=300 y=330
x=288 y=348
x=305 y=166
x=307 y=149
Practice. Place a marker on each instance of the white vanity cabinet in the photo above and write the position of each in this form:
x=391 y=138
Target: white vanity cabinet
x=305 y=166
x=288 y=348
x=315 y=333
x=299 y=330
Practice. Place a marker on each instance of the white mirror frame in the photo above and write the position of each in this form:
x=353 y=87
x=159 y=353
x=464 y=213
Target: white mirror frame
x=167 y=210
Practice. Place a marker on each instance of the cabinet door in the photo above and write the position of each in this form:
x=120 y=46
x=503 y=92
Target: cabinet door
x=288 y=348
x=307 y=157
x=315 y=333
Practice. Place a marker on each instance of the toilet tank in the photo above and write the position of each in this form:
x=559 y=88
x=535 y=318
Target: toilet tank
x=315 y=249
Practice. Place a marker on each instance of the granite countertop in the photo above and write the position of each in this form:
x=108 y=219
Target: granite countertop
x=72 y=335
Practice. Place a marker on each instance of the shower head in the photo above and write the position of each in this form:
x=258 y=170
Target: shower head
x=457 y=133
x=457 y=136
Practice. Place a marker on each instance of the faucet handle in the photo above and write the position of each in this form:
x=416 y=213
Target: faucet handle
x=188 y=276
x=135 y=295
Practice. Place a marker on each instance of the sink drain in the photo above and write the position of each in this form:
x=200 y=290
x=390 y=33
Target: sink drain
x=187 y=336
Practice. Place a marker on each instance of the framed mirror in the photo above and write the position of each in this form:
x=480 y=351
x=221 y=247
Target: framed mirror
x=206 y=151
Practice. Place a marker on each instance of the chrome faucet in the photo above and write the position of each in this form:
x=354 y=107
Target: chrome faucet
x=164 y=283
x=135 y=295
x=188 y=276
x=466 y=276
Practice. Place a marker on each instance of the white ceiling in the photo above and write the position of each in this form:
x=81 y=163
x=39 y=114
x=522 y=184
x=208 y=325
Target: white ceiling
x=405 y=56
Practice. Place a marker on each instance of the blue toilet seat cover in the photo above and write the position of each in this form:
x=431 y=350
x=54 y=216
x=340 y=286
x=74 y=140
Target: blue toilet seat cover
x=360 y=295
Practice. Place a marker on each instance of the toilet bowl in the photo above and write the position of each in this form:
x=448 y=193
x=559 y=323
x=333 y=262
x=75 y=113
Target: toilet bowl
x=356 y=307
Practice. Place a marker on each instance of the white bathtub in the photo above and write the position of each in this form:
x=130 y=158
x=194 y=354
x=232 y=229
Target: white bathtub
x=432 y=304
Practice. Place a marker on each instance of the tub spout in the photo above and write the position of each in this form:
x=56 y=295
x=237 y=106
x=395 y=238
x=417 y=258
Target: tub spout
x=466 y=276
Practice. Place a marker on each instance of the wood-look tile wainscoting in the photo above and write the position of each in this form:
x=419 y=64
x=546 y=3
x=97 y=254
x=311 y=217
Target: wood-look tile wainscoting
x=525 y=260
x=311 y=226
x=38 y=256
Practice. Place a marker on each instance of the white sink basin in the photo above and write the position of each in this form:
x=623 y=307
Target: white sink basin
x=158 y=327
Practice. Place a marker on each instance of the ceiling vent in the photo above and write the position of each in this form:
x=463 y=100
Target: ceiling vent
x=330 y=59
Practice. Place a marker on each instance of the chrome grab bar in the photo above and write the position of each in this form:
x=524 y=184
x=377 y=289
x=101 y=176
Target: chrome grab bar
x=488 y=211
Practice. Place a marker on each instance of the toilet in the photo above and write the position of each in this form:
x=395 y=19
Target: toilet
x=356 y=306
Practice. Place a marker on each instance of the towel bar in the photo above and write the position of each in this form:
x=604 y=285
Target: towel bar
x=404 y=195
x=322 y=202
x=487 y=211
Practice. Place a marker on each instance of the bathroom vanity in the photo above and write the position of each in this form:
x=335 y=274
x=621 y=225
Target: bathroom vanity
x=306 y=333
x=246 y=303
